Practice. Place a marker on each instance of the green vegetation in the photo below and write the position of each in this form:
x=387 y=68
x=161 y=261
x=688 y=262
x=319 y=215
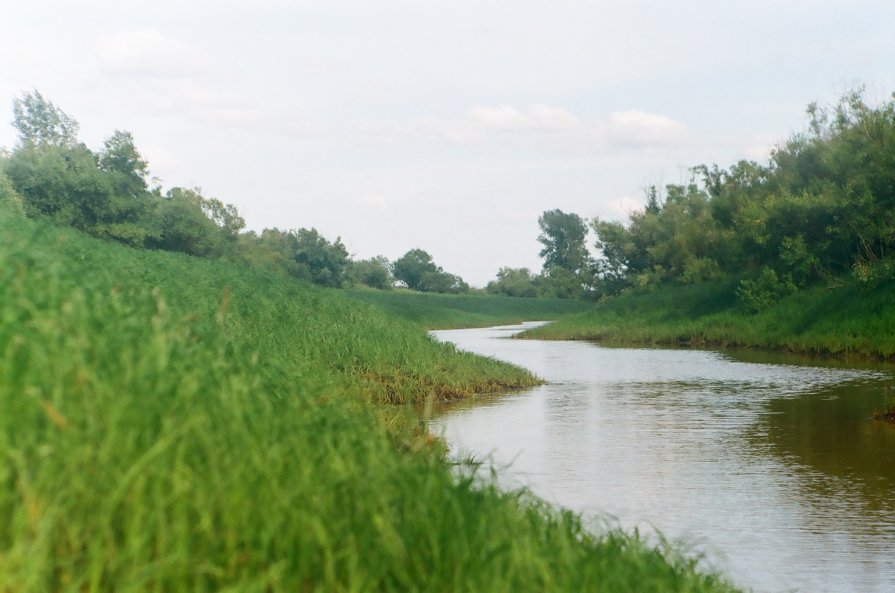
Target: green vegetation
x=568 y=267
x=175 y=424
x=795 y=255
x=822 y=209
x=375 y=272
x=444 y=311
x=418 y=272
x=850 y=320
x=52 y=176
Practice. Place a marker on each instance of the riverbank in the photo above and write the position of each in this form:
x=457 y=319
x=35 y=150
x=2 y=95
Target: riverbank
x=850 y=320
x=731 y=451
x=176 y=424
x=453 y=311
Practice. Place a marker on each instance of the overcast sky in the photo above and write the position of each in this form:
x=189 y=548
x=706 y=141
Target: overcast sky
x=445 y=125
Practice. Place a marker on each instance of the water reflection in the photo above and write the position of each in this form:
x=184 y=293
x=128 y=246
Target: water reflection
x=773 y=469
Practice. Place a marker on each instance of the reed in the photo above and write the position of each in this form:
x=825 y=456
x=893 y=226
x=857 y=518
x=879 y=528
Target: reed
x=176 y=425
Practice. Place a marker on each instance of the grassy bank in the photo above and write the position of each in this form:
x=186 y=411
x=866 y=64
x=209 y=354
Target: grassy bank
x=172 y=424
x=448 y=311
x=849 y=320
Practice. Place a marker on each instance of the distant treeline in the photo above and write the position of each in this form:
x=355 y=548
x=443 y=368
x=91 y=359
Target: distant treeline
x=50 y=174
x=821 y=210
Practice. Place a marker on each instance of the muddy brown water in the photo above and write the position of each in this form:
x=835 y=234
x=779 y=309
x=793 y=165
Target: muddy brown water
x=769 y=467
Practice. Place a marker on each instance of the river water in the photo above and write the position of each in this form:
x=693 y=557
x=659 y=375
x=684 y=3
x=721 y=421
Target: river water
x=769 y=467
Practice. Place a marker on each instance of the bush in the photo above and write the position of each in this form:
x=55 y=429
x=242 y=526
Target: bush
x=762 y=292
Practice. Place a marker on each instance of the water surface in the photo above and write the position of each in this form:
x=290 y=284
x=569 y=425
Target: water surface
x=769 y=466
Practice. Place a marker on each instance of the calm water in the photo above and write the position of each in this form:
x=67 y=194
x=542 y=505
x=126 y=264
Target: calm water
x=771 y=468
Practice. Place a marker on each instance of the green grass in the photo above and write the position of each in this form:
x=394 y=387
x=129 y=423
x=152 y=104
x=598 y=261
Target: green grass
x=848 y=320
x=169 y=424
x=447 y=311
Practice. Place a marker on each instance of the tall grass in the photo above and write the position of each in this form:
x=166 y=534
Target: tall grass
x=446 y=311
x=177 y=425
x=848 y=320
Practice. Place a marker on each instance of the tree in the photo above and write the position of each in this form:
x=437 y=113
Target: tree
x=418 y=272
x=39 y=122
x=568 y=267
x=563 y=284
x=273 y=250
x=303 y=254
x=225 y=217
x=517 y=282
x=55 y=176
x=441 y=281
x=564 y=239
x=63 y=182
x=325 y=263
x=375 y=272
x=123 y=162
x=180 y=224
x=411 y=267
x=8 y=194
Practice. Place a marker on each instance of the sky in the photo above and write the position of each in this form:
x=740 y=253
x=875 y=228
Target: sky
x=443 y=125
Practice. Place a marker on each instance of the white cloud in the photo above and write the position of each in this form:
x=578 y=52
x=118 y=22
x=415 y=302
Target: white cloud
x=542 y=127
x=171 y=80
x=536 y=117
x=645 y=130
x=240 y=115
x=148 y=52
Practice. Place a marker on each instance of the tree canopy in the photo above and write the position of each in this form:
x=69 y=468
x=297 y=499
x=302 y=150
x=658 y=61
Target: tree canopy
x=822 y=208
x=517 y=282
x=50 y=174
x=567 y=262
x=323 y=262
x=418 y=272
x=563 y=236
x=38 y=122
x=375 y=272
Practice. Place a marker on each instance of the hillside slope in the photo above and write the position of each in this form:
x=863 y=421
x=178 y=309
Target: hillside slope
x=172 y=424
x=848 y=320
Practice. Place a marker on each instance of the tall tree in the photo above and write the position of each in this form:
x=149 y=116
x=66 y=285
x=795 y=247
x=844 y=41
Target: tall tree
x=411 y=267
x=563 y=236
x=568 y=266
x=39 y=122
x=121 y=159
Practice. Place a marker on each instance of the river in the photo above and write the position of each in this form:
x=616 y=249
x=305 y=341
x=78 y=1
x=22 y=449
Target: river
x=769 y=467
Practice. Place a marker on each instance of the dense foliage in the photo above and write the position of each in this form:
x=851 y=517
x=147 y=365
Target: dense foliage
x=51 y=175
x=821 y=209
x=418 y=271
